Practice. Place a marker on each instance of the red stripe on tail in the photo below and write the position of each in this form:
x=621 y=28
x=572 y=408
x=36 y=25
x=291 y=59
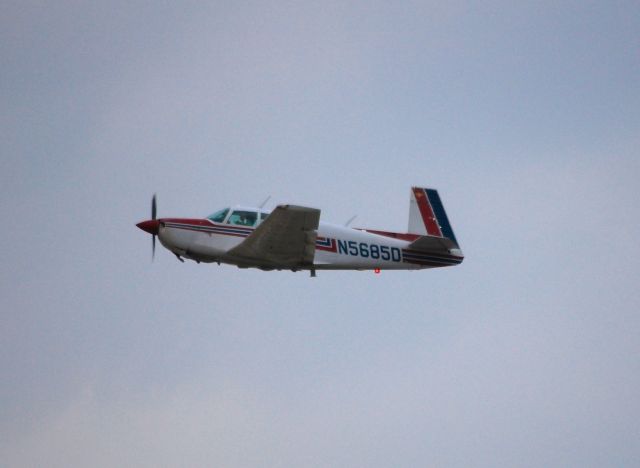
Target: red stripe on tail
x=429 y=219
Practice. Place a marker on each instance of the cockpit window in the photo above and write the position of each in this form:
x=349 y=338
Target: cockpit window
x=219 y=216
x=263 y=216
x=243 y=218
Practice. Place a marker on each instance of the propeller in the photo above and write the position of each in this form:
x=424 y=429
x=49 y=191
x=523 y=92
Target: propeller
x=152 y=226
x=154 y=211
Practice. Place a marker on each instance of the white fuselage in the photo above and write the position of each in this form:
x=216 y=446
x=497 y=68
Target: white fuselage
x=337 y=247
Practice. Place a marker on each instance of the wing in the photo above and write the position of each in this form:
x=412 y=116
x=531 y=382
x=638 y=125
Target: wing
x=286 y=238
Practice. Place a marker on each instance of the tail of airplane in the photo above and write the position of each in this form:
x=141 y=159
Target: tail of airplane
x=428 y=218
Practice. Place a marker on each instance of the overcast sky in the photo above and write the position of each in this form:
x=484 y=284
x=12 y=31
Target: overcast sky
x=525 y=116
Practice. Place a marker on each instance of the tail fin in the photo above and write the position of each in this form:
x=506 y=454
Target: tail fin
x=428 y=218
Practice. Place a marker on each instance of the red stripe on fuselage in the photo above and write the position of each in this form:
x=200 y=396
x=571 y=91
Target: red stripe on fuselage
x=394 y=235
x=428 y=217
x=193 y=224
x=196 y=222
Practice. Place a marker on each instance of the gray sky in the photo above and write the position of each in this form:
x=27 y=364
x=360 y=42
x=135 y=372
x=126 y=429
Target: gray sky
x=525 y=117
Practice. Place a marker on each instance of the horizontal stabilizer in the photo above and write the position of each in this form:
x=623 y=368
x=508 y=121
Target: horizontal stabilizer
x=433 y=244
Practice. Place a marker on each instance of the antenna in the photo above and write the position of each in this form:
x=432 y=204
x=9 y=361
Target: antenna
x=265 y=202
x=350 y=220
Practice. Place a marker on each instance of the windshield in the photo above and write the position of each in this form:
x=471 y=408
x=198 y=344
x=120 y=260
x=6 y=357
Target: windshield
x=219 y=216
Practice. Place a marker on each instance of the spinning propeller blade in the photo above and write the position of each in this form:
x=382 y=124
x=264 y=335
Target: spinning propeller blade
x=154 y=212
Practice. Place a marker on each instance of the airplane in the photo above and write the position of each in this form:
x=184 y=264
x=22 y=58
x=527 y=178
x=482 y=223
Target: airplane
x=292 y=238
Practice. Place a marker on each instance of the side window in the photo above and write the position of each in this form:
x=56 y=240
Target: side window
x=243 y=218
x=263 y=216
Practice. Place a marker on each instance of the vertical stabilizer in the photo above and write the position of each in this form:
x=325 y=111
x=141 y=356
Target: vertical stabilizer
x=427 y=216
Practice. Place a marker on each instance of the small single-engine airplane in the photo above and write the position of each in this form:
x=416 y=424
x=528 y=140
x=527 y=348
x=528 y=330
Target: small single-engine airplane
x=292 y=238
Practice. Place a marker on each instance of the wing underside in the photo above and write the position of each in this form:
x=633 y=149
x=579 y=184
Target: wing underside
x=287 y=239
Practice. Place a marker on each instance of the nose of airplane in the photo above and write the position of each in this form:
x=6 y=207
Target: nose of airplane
x=151 y=226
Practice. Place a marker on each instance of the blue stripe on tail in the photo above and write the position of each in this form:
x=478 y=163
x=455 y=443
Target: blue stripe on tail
x=441 y=215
